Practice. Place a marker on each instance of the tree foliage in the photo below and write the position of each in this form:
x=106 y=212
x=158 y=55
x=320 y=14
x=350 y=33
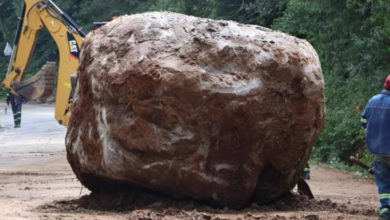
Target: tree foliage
x=352 y=38
x=354 y=52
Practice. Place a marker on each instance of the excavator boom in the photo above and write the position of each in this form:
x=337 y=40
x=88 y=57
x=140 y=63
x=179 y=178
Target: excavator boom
x=38 y=15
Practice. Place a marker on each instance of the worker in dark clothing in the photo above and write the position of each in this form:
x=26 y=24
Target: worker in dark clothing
x=376 y=121
x=16 y=105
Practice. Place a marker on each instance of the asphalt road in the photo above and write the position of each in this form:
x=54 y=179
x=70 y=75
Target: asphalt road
x=39 y=134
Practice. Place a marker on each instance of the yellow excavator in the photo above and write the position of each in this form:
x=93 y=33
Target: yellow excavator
x=68 y=35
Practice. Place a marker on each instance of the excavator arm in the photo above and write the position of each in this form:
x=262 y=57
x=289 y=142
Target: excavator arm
x=37 y=15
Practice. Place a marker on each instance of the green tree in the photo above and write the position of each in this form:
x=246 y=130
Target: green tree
x=262 y=12
x=9 y=11
x=354 y=52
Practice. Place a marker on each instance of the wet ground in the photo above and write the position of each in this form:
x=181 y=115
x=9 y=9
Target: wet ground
x=36 y=182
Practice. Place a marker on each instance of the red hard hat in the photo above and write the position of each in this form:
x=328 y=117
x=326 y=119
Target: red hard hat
x=387 y=83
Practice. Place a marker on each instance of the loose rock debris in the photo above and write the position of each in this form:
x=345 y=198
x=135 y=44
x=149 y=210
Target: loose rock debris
x=143 y=205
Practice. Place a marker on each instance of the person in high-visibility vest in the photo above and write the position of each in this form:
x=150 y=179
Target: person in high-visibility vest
x=376 y=120
x=16 y=105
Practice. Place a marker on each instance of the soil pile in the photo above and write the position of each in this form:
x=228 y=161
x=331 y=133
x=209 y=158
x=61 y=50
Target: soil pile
x=195 y=108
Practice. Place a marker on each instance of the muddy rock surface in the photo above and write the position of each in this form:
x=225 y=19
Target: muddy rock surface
x=195 y=108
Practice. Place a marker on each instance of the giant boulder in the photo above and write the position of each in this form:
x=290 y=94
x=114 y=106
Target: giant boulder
x=215 y=111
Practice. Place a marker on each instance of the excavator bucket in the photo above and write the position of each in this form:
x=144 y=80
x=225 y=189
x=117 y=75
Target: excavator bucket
x=39 y=86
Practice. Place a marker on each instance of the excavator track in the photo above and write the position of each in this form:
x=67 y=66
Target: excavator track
x=40 y=86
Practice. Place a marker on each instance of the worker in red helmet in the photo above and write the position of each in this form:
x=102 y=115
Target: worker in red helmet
x=376 y=121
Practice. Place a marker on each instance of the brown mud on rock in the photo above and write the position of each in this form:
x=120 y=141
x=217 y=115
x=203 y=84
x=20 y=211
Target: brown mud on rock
x=195 y=108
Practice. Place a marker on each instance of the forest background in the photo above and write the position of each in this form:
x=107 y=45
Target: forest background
x=352 y=38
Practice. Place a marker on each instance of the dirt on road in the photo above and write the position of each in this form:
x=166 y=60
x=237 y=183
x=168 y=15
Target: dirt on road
x=36 y=182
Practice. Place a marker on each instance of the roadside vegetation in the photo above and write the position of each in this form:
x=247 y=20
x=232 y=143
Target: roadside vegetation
x=352 y=38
